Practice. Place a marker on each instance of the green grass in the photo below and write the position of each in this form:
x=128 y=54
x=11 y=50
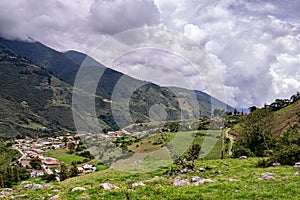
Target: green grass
x=64 y=156
x=181 y=141
x=161 y=187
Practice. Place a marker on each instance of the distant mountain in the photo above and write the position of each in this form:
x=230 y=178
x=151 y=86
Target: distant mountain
x=63 y=67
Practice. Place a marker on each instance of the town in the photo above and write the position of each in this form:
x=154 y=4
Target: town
x=36 y=149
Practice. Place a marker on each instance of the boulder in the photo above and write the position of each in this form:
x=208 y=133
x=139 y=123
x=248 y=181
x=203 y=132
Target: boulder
x=202 y=169
x=36 y=186
x=196 y=179
x=83 y=197
x=108 y=186
x=179 y=183
x=267 y=176
x=276 y=164
x=7 y=189
x=243 y=157
x=33 y=186
x=297 y=165
x=138 y=184
x=54 y=197
x=22 y=196
x=78 y=189
x=297 y=174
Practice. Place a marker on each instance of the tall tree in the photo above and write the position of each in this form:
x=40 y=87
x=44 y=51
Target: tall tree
x=63 y=172
x=74 y=170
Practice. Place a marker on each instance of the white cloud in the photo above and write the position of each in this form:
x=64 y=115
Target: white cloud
x=255 y=44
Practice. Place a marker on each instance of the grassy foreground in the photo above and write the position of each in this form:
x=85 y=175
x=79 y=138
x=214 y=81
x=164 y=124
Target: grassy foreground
x=244 y=184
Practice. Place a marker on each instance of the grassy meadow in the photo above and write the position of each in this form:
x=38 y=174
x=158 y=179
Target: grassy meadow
x=244 y=183
x=64 y=156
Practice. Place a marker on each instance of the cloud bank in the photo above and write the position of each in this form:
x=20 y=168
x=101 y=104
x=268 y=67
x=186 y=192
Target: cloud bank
x=255 y=43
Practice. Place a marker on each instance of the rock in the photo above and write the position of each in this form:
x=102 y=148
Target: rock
x=210 y=181
x=204 y=180
x=78 y=189
x=25 y=182
x=243 y=157
x=29 y=185
x=297 y=173
x=178 y=182
x=54 y=197
x=233 y=180
x=297 y=165
x=202 y=169
x=276 y=164
x=22 y=196
x=184 y=171
x=267 y=176
x=196 y=179
x=33 y=186
x=56 y=190
x=7 y=189
x=83 y=197
x=108 y=186
x=36 y=186
x=138 y=184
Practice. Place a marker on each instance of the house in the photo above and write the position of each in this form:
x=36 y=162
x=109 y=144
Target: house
x=36 y=173
x=50 y=161
x=118 y=133
x=80 y=170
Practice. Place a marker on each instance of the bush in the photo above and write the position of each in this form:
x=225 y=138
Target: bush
x=48 y=177
x=265 y=162
x=288 y=155
x=238 y=150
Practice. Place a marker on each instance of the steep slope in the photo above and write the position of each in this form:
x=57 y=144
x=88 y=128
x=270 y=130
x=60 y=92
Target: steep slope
x=31 y=99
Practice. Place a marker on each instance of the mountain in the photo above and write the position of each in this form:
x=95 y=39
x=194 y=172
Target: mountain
x=31 y=98
x=56 y=75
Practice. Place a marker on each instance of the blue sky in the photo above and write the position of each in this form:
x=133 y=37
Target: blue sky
x=255 y=44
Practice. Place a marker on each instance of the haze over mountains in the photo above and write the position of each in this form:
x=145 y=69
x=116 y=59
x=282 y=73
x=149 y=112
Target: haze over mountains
x=36 y=86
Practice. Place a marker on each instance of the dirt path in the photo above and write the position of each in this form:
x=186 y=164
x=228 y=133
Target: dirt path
x=231 y=137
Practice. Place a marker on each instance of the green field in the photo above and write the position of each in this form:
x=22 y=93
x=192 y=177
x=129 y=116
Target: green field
x=64 y=156
x=158 y=186
x=182 y=141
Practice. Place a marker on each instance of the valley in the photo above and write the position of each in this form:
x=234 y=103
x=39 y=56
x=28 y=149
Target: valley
x=179 y=143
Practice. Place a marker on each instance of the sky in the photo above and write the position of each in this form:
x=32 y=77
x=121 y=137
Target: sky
x=255 y=44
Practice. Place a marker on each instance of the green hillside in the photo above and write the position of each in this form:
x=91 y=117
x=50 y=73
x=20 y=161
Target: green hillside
x=272 y=131
x=32 y=100
x=65 y=66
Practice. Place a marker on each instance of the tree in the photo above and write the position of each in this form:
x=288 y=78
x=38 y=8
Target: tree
x=74 y=170
x=65 y=140
x=194 y=153
x=295 y=97
x=63 y=172
x=36 y=163
x=71 y=147
x=235 y=111
x=252 y=109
